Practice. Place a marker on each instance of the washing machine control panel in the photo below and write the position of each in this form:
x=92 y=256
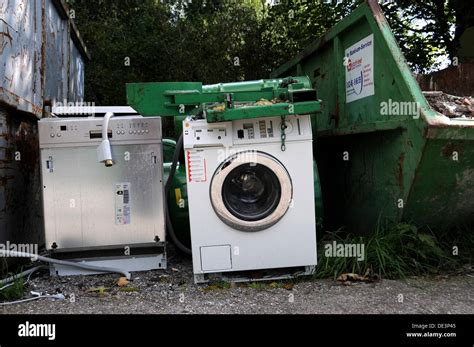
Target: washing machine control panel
x=270 y=129
x=199 y=133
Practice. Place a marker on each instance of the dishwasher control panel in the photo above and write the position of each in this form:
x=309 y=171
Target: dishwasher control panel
x=88 y=131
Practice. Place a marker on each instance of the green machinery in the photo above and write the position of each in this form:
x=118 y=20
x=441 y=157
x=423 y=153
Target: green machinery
x=373 y=165
x=225 y=101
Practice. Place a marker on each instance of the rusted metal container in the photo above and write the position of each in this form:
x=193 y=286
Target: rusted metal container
x=42 y=60
x=455 y=80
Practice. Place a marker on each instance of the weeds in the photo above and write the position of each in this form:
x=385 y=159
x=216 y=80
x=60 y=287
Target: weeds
x=257 y=285
x=216 y=285
x=397 y=252
x=13 y=291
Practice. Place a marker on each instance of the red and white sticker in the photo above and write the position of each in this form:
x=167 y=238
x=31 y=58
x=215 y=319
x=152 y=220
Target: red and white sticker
x=196 y=167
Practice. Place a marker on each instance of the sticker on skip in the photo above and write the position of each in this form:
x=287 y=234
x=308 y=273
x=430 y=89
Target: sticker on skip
x=122 y=203
x=359 y=66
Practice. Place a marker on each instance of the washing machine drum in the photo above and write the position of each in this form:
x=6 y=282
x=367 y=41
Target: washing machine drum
x=251 y=191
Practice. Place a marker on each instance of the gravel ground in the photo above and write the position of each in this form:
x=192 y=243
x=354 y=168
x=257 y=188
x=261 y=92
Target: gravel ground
x=173 y=291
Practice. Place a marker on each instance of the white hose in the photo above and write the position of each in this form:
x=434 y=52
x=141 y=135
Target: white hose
x=20 y=275
x=5 y=253
x=54 y=296
x=105 y=125
x=104 y=151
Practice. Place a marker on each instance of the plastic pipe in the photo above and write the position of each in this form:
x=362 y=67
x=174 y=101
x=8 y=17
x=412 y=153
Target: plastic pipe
x=5 y=253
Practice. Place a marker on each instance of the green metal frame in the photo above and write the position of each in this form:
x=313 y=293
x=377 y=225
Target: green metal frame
x=225 y=101
x=281 y=109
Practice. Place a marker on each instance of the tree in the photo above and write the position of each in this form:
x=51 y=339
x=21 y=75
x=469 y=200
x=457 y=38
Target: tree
x=444 y=23
x=142 y=41
x=291 y=25
x=423 y=30
x=228 y=40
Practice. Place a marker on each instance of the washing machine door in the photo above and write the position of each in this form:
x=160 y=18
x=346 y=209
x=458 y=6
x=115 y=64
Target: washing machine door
x=251 y=191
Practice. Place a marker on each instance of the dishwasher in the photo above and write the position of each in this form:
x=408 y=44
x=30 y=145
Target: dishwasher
x=108 y=215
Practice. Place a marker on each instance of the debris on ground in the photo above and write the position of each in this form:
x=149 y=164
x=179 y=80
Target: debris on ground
x=450 y=105
x=122 y=282
x=97 y=290
x=349 y=278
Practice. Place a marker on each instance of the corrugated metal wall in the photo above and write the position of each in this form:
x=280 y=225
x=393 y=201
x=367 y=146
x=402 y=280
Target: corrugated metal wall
x=21 y=58
x=42 y=58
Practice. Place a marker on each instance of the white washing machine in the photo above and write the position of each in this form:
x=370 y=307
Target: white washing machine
x=251 y=204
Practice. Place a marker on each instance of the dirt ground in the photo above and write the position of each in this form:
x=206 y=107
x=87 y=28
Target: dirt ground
x=173 y=292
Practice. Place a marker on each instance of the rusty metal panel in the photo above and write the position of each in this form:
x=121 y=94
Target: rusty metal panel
x=42 y=55
x=57 y=55
x=20 y=183
x=455 y=80
x=20 y=58
x=76 y=75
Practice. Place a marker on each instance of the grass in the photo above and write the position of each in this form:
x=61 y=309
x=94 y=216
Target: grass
x=13 y=292
x=398 y=251
x=258 y=285
x=216 y=285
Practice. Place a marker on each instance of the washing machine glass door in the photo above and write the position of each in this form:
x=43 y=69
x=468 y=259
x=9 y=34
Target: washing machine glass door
x=251 y=191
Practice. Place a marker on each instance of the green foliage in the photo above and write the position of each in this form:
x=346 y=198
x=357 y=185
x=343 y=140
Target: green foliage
x=394 y=252
x=168 y=41
x=215 y=285
x=257 y=285
x=292 y=25
x=423 y=30
x=230 y=40
x=14 y=291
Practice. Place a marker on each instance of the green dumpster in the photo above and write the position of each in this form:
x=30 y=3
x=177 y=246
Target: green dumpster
x=383 y=153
